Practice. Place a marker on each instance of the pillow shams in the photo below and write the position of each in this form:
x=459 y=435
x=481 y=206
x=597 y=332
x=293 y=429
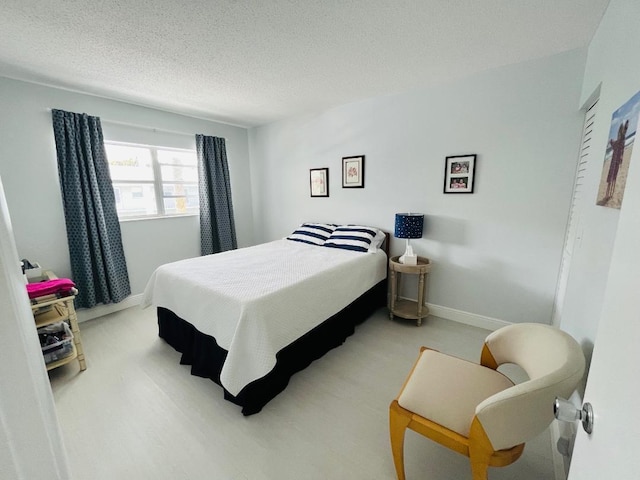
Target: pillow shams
x=377 y=242
x=312 y=233
x=352 y=237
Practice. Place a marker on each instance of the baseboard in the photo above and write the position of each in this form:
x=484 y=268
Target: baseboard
x=460 y=316
x=473 y=319
x=101 y=310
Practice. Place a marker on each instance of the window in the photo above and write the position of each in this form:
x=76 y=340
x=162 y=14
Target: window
x=153 y=181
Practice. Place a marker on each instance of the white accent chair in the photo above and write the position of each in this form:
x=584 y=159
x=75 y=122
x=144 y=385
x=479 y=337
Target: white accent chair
x=477 y=411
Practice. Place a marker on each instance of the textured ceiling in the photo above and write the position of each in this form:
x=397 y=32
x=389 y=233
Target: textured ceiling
x=250 y=62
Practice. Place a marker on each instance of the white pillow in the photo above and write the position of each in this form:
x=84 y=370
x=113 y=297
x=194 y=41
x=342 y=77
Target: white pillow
x=377 y=241
x=357 y=238
x=312 y=233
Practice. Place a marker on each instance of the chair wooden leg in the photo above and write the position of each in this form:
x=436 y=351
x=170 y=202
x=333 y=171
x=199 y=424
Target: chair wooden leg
x=479 y=466
x=480 y=451
x=398 y=422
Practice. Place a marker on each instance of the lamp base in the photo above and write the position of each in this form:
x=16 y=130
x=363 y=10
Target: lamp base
x=409 y=258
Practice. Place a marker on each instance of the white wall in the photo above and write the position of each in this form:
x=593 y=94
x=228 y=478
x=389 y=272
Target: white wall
x=497 y=251
x=30 y=439
x=604 y=305
x=612 y=64
x=29 y=170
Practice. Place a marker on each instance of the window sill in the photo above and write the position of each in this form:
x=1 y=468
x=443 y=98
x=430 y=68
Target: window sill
x=155 y=217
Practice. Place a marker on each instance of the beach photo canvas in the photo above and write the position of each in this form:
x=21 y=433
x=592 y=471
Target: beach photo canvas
x=622 y=133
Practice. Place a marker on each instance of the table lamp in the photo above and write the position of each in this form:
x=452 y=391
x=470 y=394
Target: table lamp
x=409 y=225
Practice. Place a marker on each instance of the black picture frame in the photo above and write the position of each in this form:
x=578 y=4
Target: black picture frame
x=353 y=172
x=459 y=173
x=319 y=182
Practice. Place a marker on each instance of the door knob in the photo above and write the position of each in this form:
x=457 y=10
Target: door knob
x=565 y=411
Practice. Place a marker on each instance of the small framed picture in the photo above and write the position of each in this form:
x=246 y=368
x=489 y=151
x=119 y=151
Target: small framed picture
x=319 y=182
x=459 y=172
x=353 y=172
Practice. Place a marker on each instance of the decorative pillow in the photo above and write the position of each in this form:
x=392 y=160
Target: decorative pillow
x=312 y=233
x=377 y=242
x=352 y=237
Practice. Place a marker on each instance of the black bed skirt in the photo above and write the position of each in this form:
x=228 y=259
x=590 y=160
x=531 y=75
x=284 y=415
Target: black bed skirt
x=206 y=357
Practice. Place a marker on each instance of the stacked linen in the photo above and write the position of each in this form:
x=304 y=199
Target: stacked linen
x=60 y=286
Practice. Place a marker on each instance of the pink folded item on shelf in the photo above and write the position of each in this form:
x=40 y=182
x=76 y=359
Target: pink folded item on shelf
x=50 y=287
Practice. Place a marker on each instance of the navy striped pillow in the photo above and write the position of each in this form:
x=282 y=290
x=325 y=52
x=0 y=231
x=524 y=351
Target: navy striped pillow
x=312 y=233
x=351 y=237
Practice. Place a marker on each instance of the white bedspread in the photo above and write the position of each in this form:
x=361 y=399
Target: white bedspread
x=257 y=300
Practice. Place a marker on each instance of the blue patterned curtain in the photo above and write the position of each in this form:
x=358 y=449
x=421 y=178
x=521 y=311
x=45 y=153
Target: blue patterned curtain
x=98 y=264
x=217 y=228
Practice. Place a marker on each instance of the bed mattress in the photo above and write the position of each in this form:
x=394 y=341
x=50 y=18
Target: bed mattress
x=255 y=301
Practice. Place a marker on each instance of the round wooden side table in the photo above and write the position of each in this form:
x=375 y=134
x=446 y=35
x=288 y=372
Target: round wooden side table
x=401 y=307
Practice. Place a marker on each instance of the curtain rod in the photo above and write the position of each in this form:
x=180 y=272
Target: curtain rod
x=143 y=127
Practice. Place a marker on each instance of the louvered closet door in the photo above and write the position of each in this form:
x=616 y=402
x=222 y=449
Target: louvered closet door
x=574 y=227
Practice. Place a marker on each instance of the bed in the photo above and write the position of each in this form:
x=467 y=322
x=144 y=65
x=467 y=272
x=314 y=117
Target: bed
x=249 y=319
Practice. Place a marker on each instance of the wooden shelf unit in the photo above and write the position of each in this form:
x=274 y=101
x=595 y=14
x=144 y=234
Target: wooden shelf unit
x=47 y=311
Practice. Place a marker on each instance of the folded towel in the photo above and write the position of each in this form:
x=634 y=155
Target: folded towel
x=58 y=286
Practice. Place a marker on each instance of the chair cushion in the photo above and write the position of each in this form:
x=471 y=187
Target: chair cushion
x=446 y=389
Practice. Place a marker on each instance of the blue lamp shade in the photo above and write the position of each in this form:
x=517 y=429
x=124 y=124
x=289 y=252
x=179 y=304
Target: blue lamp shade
x=409 y=225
